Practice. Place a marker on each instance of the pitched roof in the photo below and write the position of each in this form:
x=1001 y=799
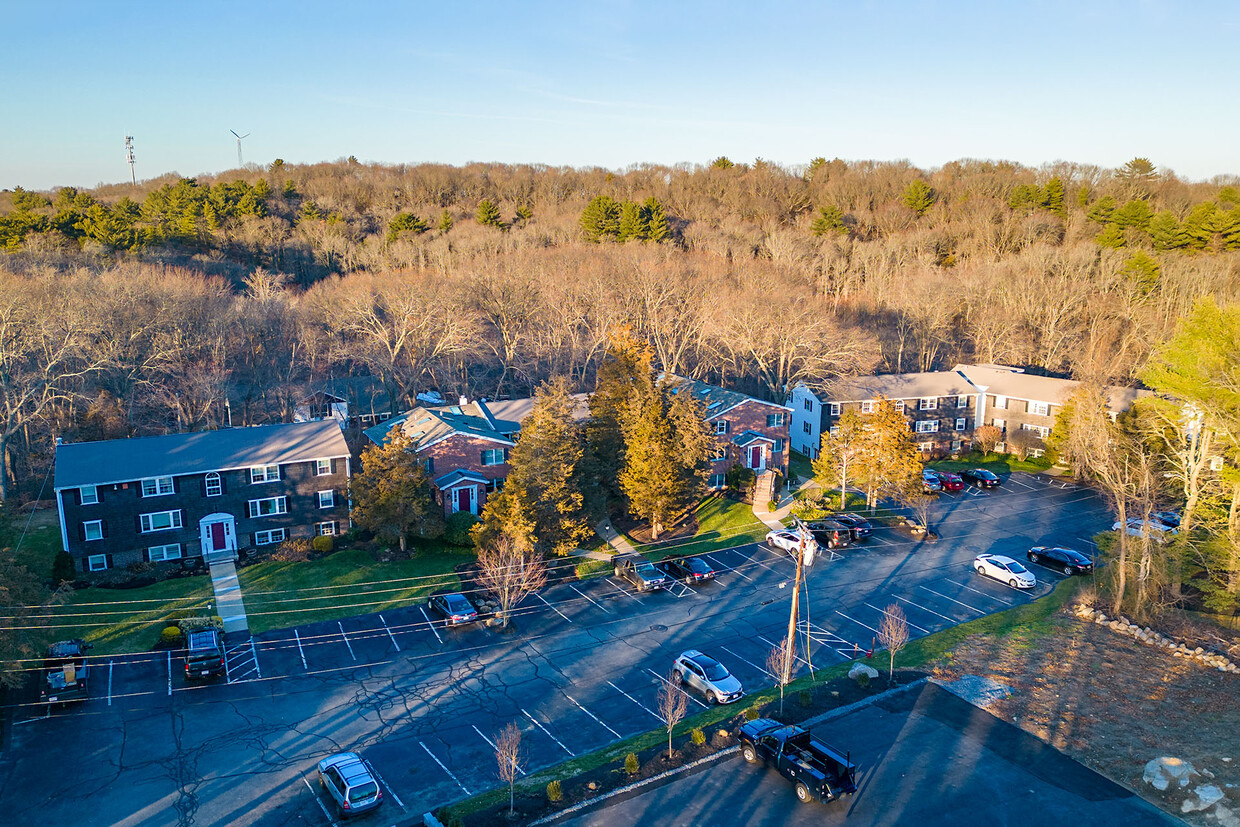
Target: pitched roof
x=126 y=460
x=901 y=386
x=743 y=439
x=496 y=421
x=714 y=399
x=459 y=475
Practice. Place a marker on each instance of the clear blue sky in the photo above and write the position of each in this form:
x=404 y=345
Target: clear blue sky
x=611 y=84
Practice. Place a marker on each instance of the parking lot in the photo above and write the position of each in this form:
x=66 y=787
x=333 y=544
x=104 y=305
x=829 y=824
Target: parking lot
x=423 y=703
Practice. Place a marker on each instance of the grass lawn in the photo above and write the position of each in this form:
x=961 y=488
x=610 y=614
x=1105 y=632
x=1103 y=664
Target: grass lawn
x=800 y=465
x=998 y=463
x=722 y=523
x=40 y=544
x=130 y=620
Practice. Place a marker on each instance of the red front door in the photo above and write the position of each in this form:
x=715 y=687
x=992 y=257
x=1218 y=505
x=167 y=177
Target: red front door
x=217 y=537
x=755 y=456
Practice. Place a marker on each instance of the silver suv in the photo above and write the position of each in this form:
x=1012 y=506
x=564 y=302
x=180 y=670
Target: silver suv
x=708 y=676
x=351 y=783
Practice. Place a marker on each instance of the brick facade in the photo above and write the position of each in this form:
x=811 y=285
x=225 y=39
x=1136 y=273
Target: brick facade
x=769 y=421
x=459 y=452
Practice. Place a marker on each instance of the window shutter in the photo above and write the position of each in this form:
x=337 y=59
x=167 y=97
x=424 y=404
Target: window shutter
x=1028 y=406
x=82 y=532
x=506 y=451
x=333 y=466
x=109 y=556
x=137 y=524
x=176 y=485
x=223 y=485
x=482 y=460
x=77 y=496
x=103 y=528
x=430 y=465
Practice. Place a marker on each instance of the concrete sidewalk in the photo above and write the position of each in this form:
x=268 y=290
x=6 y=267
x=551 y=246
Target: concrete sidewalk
x=774 y=519
x=228 y=603
x=613 y=538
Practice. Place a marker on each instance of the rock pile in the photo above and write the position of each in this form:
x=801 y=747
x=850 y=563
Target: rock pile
x=1150 y=637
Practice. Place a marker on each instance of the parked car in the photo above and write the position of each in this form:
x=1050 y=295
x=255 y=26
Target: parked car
x=930 y=482
x=1171 y=519
x=65 y=673
x=1065 y=559
x=708 y=676
x=830 y=534
x=786 y=540
x=641 y=573
x=1005 y=569
x=980 y=477
x=350 y=782
x=858 y=525
x=818 y=771
x=454 y=608
x=950 y=481
x=687 y=569
x=205 y=654
x=1159 y=532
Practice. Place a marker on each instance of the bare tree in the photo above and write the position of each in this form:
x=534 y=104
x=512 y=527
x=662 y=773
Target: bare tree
x=672 y=704
x=776 y=662
x=511 y=570
x=893 y=635
x=508 y=759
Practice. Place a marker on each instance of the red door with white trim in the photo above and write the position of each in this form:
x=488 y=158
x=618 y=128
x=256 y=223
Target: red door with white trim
x=755 y=457
x=218 y=541
x=466 y=499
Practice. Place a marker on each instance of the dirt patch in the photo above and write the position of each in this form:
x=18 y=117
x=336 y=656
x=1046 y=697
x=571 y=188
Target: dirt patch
x=1112 y=703
x=638 y=532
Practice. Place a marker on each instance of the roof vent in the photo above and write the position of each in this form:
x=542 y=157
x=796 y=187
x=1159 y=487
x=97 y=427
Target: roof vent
x=464 y=400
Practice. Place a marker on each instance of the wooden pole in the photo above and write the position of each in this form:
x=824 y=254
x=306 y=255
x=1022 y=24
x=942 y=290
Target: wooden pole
x=790 y=640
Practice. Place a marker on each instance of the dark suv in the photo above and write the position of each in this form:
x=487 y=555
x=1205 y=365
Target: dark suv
x=859 y=526
x=205 y=658
x=830 y=534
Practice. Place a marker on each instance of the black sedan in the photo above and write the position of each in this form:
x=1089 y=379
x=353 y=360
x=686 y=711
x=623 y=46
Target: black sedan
x=455 y=609
x=687 y=569
x=980 y=477
x=859 y=526
x=1064 y=559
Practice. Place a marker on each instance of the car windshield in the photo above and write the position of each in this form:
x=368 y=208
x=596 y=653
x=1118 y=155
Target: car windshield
x=986 y=475
x=646 y=568
x=458 y=603
x=1073 y=556
x=363 y=792
x=1016 y=568
x=715 y=670
x=697 y=565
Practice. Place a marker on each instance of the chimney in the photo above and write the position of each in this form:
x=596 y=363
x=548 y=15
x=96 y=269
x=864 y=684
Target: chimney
x=464 y=401
x=59 y=441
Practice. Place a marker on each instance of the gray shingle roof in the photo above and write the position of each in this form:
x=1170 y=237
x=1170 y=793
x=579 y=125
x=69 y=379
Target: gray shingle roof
x=901 y=386
x=428 y=424
x=127 y=460
x=713 y=399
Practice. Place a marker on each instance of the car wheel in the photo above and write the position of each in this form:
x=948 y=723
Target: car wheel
x=749 y=754
x=1013 y=583
x=981 y=570
x=1033 y=558
x=617 y=571
x=678 y=678
x=1067 y=570
x=803 y=793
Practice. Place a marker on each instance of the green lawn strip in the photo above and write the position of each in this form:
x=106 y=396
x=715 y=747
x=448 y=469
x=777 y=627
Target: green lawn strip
x=129 y=620
x=589 y=568
x=998 y=463
x=1024 y=622
x=38 y=547
x=800 y=465
x=722 y=523
x=281 y=595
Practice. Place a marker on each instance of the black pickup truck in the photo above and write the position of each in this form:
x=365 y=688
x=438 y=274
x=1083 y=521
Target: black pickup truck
x=817 y=770
x=65 y=673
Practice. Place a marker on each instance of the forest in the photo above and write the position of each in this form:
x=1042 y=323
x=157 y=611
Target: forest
x=130 y=310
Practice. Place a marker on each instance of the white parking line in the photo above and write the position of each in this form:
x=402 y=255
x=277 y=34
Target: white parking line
x=553 y=608
x=254 y=654
x=431 y=624
x=828 y=638
x=726 y=570
x=588 y=597
x=773 y=644
x=681 y=688
x=319 y=801
x=881 y=540
x=300 y=651
x=109 y=683
x=854 y=620
x=952 y=599
x=591 y=714
x=1003 y=600
x=445 y=769
x=492 y=743
x=547 y=732
x=389 y=631
x=169 y=674
x=346 y=640
x=751 y=663
x=624 y=591
x=389 y=787
x=1023 y=485
x=883 y=612
x=951 y=620
x=682 y=589
x=634 y=700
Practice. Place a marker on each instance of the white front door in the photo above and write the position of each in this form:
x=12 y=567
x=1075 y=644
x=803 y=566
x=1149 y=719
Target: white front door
x=218 y=533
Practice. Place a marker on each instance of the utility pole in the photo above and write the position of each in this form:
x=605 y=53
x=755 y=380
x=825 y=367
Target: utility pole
x=133 y=178
x=804 y=556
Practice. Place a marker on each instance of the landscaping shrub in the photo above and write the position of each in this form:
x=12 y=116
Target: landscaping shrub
x=171 y=637
x=772 y=505
x=698 y=737
x=752 y=714
x=805 y=697
x=630 y=763
x=193 y=624
x=554 y=793
x=863 y=679
x=456 y=529
x=323 y=544
x=296 y=550
x=63 y=570
x=740 y=479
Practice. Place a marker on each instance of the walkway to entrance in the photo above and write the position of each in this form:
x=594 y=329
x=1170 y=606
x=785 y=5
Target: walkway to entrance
x=228 y=602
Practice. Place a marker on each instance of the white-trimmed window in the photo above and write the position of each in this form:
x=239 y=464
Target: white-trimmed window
x=1216 y=463
x=1041 y=430
x=268 y=506
x=327 y=529
x=961 y=424
x=97 y=562
x=212 y=485
x=1040 y=408
x=835 y=409
x=899 y=403
x=716 y=481
x=327 y=499
x=156 y=554
x=928 y=426
x=493 y=456
x=867 y=406
x=1000 y=447
x=925 y=447
x=956 y=444
x=1037 y=452
x=962 y=401
x=496 y=484
x=719 y=454
x=158 y=487
x=160 y=521
x=835 y=430
x=265 y=473
x=89 y=494
x=1001 y=424
x=322 y=467
x=774 y=420
x=92 y=530
x=721 y=426
x=266 y=538
x=778 y=446
x=1001 y=403
x=928 y=403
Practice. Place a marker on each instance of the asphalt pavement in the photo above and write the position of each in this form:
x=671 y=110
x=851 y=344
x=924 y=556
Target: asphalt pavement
x=423 y=703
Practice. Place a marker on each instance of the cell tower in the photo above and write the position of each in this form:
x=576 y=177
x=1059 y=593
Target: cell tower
x=239 y=137
x=133 y=178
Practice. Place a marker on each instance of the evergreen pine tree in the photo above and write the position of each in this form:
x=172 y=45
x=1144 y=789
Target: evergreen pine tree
x=524 y=213
x=406 y=222
x=445 y=221
x=1198 y=226
x=1111 y=236
x=722 y=162
x=829 y=221
x=1135 y=213
x=1102 y=210
x=1165 y=231
x=487 y=214
x=600 y=219
x=919 y=197
x=1053 y=197
x=1082 y=196
x=657 y=229
x=1143 y=271
x=391 y=495
x=624 y=368
x=630 y=227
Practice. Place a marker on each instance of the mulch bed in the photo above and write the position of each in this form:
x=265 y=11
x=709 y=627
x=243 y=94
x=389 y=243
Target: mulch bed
x=639 y=532
x=652 y=761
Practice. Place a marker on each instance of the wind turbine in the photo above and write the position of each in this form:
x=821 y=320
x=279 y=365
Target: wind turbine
x=239 y=137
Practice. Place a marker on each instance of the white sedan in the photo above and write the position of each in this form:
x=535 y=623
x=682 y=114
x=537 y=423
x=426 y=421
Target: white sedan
x=1005 y=569
x=786 y=540
x=1159 y=533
